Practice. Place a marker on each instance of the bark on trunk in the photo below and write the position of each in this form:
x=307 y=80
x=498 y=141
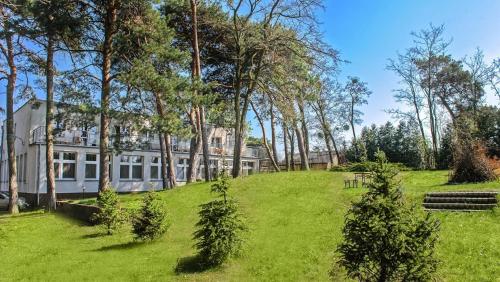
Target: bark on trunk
x=172 y=180
x=196 y=76
x=167 y=163
x=335 y=147
x=264 y=140
x=304 y=161
x=291 y=136
x=285 y=144
x=107 y=50
x=194 y=146
x=49 y=119
x=328 y=145
x=305 y=131
x=273 y=135
x=351 y=121
x=11 y=135
x=163 y=155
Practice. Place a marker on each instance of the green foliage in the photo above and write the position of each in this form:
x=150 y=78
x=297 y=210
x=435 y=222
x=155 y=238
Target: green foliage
x=402 y=144
x=366 y=167
x=384 y=240
x=222 y=185
x=111 y=215
x=151 y=221
x=220 y=227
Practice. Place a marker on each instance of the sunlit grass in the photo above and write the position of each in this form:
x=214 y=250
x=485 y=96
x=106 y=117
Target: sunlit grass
x=295 y=222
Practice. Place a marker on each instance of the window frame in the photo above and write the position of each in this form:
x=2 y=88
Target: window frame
x=96 y=163
x=131 y=165
x=158 y=167
x=58 y=174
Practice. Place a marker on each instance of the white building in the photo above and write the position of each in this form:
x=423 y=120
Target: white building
x=76 y=157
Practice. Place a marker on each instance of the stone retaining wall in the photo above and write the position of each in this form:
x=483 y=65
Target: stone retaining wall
x=77 y=211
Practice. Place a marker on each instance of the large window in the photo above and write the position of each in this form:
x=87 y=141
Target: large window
x=155 y=168
x=131 y=167
x=65 y=165
x=92 y=167
x=182 y=165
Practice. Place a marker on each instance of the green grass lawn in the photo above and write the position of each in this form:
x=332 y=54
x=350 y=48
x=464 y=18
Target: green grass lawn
x=295 y=222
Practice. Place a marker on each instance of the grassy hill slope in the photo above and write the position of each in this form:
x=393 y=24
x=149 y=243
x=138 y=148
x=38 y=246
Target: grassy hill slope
x=295 y=222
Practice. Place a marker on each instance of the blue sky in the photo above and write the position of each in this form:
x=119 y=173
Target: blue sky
x=368 y=32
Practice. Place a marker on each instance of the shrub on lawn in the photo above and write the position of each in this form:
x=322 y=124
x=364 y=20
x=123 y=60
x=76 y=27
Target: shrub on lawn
x=470 y=163
x=111 y=215
x=384 y=239
x=219 y=228
x=151 y=221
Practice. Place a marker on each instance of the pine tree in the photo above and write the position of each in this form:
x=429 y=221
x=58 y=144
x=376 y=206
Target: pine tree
x=384 y=239
x=219 y=228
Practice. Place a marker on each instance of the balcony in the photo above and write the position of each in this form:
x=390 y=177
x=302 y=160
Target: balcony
x=131 y=142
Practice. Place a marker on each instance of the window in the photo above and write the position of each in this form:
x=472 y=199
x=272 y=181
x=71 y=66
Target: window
x=182 y=165
x=131 y=167
x=18 y=170
x=155 y=168
x=65 y=165
x=25 y=169
x=91 y=165
x=217 y=142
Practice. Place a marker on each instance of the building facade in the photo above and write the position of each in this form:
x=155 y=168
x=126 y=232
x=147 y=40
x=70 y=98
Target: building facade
x=134 y=167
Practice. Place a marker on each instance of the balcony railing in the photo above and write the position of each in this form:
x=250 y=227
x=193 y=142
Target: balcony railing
x=127 y=141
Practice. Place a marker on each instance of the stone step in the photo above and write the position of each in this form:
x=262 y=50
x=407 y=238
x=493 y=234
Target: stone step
x=489 y=200
x=458 y=206
x=467 y=194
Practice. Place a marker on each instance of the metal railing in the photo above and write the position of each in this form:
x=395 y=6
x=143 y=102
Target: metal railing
x=128 y=141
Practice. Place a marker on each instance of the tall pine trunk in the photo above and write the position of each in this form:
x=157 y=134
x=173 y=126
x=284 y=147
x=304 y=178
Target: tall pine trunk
x=328 y=145
x=264 y=140
x=170 y=161
x=11 y=135
x=285 y=144
x=334 y=146
x=291 y=136
x=49 y=132
x=273 y=135
x=304 y=161
x=194 y=146
x=163 y=156
x=305 y=131
x=107 y=50
x=197 y=75
x=167 y=162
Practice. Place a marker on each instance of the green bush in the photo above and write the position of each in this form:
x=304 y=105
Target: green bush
x=151 y=220
x=111 y=215
x=219 y=228
x=384 y=239
x=366 y=167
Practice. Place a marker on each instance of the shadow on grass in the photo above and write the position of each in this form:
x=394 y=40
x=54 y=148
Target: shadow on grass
x=94 y=235
x=191 y=264
x=123 y=246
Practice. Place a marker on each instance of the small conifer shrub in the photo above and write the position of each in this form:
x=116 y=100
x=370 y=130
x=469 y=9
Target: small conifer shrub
x=220 y=227
x=111 y=215
x=384 y=239
x=151 y=220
